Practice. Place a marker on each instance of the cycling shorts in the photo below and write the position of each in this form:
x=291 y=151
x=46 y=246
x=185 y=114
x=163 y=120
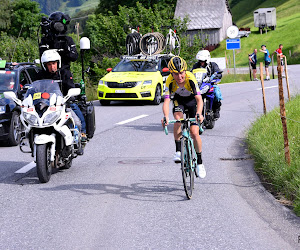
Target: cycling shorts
x=189 y=104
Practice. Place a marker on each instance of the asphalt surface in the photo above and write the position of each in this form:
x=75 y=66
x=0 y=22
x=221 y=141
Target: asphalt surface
x=126 y=193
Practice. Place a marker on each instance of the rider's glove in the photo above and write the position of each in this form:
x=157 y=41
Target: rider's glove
x=212 y=77
x=206 y=79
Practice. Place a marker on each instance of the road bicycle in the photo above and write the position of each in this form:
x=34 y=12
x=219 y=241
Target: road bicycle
x=172 y=43
x=188 y=154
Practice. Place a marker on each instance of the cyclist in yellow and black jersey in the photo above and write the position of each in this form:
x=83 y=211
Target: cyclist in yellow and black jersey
x=182 y=88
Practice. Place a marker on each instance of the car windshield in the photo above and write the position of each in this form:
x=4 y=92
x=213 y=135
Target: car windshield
x=7 y=80
x=42 y=90
x=137 y=65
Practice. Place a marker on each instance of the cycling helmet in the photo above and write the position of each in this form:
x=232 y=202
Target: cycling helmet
x=177 y=64
x=50 y=55
x=59 y=21
x=203 y=55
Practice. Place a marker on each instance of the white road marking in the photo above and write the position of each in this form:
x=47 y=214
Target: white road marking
x=26 y=168
x=132 y=119
x=268 y=87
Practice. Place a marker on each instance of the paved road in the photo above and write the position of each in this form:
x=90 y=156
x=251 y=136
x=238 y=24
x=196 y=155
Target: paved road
x=126 y=193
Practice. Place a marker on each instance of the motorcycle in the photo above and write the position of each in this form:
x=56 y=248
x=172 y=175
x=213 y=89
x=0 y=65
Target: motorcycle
x=208 y=96
x=50 y=130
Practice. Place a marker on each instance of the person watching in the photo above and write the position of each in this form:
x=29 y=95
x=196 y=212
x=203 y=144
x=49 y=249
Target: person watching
x=253 y=60
x=213 y=72
x=267 y=59
x=182 y=86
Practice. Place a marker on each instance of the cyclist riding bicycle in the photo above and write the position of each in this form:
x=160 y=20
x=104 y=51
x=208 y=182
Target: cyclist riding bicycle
x=182 y=87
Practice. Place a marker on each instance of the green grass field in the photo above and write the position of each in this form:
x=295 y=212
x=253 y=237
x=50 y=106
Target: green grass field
x=266 y=144
x=288 y=21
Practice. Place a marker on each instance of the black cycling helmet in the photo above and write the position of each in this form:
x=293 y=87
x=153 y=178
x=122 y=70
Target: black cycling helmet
x=177 y=64
x=59 y=21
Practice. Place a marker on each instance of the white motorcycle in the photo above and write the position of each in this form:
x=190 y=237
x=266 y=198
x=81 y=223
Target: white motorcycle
x=50 y=130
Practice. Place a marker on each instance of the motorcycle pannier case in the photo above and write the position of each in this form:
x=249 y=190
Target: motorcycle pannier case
x=90 y=120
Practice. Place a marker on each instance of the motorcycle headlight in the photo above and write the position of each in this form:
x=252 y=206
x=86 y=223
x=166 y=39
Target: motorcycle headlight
x=149 y=82
x=31 y=119
x=52 y=117
x=2 y=109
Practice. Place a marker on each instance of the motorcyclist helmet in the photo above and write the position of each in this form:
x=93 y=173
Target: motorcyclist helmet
x=59 y=22
x=50 y=55
x=177 y=65
x=204 y=56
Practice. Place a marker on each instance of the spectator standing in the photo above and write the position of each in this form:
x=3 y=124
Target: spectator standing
x=279 y=52
x=253 y=61
x=267 y=60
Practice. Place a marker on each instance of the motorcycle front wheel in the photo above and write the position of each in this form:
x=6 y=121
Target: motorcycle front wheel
x=43 y=162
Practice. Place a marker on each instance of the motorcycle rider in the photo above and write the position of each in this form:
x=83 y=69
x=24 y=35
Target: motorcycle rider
x=213 y=72
x=51 y=64
x=54 y=37
x=183 y=87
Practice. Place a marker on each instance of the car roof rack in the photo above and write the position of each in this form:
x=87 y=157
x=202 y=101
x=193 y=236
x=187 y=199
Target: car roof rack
x=145 y=57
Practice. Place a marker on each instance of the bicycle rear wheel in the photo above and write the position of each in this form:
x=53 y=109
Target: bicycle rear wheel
x=187 y=173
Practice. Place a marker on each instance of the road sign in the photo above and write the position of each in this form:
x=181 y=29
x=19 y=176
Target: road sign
x=233 y=43
x=232 y=31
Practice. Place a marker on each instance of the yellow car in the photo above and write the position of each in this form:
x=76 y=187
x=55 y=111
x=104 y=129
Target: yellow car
x=135 y=78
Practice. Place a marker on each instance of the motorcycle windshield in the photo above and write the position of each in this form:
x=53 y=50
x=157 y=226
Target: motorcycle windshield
x=42 y=90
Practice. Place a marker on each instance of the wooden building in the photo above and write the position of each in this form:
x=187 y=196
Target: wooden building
x=209 y=19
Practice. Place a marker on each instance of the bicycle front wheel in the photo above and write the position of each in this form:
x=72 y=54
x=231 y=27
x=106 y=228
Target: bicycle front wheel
x=187 y=173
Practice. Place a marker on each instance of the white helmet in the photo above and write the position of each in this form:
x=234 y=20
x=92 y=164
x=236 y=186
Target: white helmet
x=50 y=55
x=203 y=55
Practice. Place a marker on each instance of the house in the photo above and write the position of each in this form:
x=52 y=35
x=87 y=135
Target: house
x=209 y=19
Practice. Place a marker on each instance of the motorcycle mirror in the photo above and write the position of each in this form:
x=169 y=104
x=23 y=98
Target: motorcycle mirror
x=109 y=69
x=85 y=43
x=165 y=70
x=11 y=95
x=72 y=92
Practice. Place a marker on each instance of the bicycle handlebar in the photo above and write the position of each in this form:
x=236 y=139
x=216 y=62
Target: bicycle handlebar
x=181 y=121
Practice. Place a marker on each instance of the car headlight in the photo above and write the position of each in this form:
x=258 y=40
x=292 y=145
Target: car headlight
x=52 y=117
x=2 y=109
x=31 y=119
x=101 y=82
x=149 y=82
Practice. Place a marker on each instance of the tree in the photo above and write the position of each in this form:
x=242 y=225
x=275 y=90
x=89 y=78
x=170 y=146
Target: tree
x=113 y=5
x=5 y=15
x=25 y=18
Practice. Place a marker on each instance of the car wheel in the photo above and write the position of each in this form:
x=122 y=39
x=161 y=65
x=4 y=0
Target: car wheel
x=157 y=96
x=104 y=102
x=14 y=129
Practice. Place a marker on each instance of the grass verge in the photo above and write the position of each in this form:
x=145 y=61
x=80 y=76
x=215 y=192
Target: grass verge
x=265 y=142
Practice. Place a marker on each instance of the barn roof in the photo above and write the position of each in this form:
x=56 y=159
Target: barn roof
x=203 y=14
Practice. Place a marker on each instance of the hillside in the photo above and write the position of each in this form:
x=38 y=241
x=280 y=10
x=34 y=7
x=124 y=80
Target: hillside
x=288 y=17
x=68 y=6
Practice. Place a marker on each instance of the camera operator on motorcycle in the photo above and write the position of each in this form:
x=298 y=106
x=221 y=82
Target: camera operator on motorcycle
x=51 y=63
x=54 y=37
x=213 y=72
x=182 y=86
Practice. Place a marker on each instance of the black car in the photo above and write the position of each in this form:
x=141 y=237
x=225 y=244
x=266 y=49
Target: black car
x=14 y=77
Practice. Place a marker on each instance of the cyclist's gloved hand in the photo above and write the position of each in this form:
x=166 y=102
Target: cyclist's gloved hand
x=165 y=121
x=199 y=117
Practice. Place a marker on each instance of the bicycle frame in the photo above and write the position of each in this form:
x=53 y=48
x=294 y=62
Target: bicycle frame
x=188 y=155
